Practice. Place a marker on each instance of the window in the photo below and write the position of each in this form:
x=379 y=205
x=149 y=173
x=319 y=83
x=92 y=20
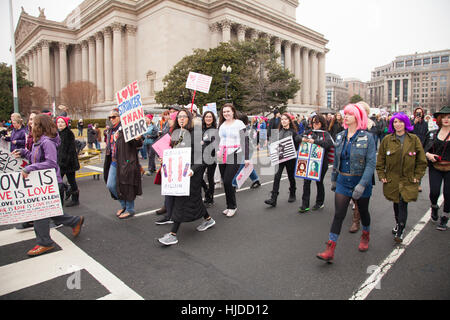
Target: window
x=418 y=62
x=405 y=90
x=435 y=60
x=444 y=59
x=400 y=64
x=426 y=61
x=409 y=63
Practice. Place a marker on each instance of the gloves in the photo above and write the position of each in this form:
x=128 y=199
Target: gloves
x=357 y=193
x=333 y=186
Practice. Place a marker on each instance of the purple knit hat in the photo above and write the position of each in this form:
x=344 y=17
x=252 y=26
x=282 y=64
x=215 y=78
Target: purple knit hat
x=402 y=117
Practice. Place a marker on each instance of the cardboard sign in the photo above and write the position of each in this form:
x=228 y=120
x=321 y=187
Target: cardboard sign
x=161 y=145
x=131 y=112
x=309 y=161
x=174 y=172
x=8 y=163
x=282 y=150
x=198 y=82
x=34 y=198
x=243 y=175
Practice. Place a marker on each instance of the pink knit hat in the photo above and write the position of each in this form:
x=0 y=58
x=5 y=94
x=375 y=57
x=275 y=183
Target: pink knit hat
x=66 y=120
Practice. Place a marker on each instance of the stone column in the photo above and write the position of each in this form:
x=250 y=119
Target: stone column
x=63 y=64
x=297 y=71
x=226 y=31
x=40 y=70
x=78 y=62
x=253 y=34
x=117 y=56
x=287 y=55
x=109 y=84
x=35 y=67
x=278 y=49
x=305 y=77
x=46 y=66
x=215 y=35
x=322 y=93
x=57 y=73
x=241 y=33
x=100 y=66
x=314 y=78
x=131 y=34
x=84 y=61
x=92 y=70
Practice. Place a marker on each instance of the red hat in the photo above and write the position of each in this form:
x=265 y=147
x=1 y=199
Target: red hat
x=66 y=120
x=150 y=116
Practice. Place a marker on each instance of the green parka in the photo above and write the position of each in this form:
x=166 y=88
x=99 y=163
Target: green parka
x=401 y=166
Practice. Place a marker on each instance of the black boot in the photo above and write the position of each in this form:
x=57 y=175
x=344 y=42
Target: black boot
x=434 y=213
x=273 y=200
x=75 y=199
x=292 y=197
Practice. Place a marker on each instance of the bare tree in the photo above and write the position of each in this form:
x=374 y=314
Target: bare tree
x=32 y=98
x=79 y=97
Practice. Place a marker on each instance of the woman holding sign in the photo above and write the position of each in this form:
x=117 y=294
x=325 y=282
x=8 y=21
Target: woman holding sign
x=43 y=156
x=122 y=171
x=353 y=169
x=287 y=128
x=187 y=208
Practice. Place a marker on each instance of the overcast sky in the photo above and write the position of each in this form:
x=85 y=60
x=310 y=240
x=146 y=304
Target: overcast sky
x=362 y=34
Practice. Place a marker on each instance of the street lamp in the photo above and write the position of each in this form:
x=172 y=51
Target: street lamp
x=226 y=78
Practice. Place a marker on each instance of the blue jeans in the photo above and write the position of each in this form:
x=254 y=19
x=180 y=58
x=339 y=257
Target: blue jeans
x=112 y=187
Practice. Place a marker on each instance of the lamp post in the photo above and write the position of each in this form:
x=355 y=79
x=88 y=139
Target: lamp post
x=226 y=78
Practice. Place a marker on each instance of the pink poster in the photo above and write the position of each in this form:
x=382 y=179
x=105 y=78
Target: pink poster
x=161 y=145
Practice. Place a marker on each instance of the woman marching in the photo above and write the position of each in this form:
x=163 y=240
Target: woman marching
x=68 y=159
x=401 y=164
x=286 y=129
x=122 y=171
x=319 y=136
x=187 y=208
x=18 y=134
x=209 y=142
x=437 y=148
x=44 y=156
x=233 y=151
x=353 y=169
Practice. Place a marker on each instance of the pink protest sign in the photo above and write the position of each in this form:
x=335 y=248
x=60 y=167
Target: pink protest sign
x=161 y=145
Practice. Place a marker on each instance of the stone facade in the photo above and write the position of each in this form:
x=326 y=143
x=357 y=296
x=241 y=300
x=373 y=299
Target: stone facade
x=112 y=43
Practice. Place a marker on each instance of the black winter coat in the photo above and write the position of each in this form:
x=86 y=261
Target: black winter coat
x=67 y=152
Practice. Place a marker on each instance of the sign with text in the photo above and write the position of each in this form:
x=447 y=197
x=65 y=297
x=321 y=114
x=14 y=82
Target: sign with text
x=8 y=163
x=161 y=145
x=309 y=161
x=243 y=175
x=131 y=111
x=282 y=150
x=29 y=199
x=198 y=82
x=174 y=172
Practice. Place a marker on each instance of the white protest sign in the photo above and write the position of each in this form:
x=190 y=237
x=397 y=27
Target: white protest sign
x=243 y=175
x=198 y=82
x=8 y=163
x=282 y=150
x=131 y=112
x=34 y=198
x=174 y=173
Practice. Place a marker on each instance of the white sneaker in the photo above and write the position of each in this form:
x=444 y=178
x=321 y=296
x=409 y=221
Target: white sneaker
x=168 y=239
x=231 y=212
x=206 y=225
x=225 y=212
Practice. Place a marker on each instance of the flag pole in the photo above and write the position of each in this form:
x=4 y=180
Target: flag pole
x=13 y=53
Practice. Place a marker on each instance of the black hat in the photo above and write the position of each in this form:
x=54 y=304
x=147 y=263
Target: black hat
x=444 y=110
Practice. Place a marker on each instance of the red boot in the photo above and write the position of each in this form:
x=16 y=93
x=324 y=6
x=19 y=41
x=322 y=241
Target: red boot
x=364 y=244
x=328 y=254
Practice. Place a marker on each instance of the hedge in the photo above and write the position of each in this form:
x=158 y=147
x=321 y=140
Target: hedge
x=86 y=122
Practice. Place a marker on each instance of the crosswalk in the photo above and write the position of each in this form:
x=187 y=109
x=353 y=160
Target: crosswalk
x=69 y=262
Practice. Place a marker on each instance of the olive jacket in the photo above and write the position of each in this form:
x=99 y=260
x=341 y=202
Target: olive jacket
x=401 y=166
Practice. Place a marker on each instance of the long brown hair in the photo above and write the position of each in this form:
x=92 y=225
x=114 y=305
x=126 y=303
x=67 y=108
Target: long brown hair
x=43 y=125
x=227 y=105
x=292 y=124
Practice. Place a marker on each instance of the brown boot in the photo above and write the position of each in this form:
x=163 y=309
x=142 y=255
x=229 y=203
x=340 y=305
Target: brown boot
x=356 y=220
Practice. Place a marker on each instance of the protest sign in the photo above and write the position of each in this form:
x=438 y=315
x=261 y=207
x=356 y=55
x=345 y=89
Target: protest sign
x=243 y=175
x=29 y=199
x=309 y=161
x=198 y=82
x=161 y=145
x=211 y=107
x=282 y=150
x=131 y=112
x=8 y=163
x=174 y=172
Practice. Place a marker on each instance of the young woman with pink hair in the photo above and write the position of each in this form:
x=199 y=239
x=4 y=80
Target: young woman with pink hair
x=353 y=168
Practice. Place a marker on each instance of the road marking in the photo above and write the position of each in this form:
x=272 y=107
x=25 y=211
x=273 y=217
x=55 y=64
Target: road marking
x=374 y=280
x=70 y=259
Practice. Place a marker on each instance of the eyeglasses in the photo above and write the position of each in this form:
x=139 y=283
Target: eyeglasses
x=182 y=117
x=113 y=117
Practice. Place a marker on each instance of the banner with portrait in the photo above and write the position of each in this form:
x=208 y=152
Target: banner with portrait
x=309 y=161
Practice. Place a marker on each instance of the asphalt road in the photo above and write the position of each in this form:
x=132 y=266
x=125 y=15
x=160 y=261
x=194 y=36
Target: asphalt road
x=260 y=254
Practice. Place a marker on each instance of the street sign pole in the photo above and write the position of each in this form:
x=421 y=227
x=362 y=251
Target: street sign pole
x=13 y=53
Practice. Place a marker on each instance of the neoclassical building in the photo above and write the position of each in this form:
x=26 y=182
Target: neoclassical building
x=114 y=42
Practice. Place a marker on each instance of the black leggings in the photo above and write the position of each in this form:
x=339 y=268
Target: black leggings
x=436 y=177
x=290 y=170
x=210 y=171
x=401 y=212
x=341 y=204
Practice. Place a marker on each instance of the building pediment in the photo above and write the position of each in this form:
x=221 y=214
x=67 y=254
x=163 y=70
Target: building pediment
x=24 y=28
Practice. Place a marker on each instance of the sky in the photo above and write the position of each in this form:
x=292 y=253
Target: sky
x=362 y=34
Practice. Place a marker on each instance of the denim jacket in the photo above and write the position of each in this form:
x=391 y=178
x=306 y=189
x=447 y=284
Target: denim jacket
x=362 y=157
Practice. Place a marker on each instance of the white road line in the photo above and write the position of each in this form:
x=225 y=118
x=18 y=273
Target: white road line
x=94 y=168
x=374 y=280
x=70 y=259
